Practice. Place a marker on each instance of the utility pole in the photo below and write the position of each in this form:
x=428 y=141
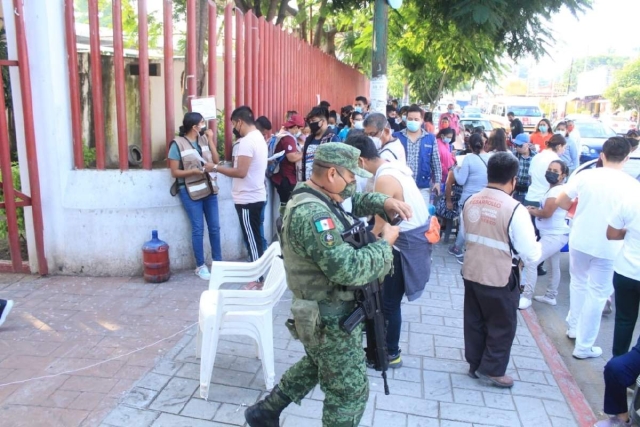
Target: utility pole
x=379 y=82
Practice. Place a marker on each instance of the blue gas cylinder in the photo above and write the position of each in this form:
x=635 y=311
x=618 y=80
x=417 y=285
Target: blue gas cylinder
x=155 y=258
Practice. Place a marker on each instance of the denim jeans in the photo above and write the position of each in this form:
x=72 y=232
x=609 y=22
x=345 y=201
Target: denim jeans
x=620 y=373
x=195 y=210
x=392 y=293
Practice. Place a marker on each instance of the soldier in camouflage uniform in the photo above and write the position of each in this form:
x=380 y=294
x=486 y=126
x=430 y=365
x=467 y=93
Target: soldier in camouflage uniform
x=319 y=264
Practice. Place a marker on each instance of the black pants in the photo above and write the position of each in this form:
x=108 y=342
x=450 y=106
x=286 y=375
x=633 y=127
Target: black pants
x=250 y=223
x=490 y=320
x=284 y=190
x=392 y=293
x=627 y=304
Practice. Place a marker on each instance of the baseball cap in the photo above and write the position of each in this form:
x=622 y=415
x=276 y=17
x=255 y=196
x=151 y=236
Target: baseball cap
x=295 y=120
x=521 y=139
x=339 y=154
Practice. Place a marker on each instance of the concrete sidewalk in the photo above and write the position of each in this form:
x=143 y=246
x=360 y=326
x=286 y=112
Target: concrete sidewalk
x=432 y=389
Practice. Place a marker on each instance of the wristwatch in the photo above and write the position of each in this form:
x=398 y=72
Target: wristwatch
x=215 y=169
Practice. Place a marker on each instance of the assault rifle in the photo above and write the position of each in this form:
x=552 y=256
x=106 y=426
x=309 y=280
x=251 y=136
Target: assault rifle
x=369 y=309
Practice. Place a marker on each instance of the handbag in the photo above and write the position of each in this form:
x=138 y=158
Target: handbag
x=441 y=208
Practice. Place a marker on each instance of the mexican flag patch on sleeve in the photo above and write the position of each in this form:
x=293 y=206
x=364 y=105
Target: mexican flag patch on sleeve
x=324 y=224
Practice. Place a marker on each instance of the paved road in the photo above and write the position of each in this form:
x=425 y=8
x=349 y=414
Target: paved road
x=587 y=373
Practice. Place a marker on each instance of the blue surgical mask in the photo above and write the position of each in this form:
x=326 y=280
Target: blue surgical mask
x=358 y=109
x=450 y=110
x=446 y=140
x=404 y=118
x=413 y=126
x=358 y=124
x=332 y=126
x=543 y=128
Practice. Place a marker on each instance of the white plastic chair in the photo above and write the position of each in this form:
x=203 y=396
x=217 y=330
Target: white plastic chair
x=241 y=312
x=242 y=272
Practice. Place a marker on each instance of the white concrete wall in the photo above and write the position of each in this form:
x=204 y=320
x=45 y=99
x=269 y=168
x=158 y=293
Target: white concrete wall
x=95 y=222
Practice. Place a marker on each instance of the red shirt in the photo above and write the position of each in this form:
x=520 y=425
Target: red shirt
x=287 y=169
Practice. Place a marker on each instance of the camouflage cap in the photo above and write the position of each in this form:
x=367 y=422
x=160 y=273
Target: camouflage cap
x=339 y=154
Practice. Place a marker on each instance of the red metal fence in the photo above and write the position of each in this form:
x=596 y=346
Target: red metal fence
x=13 y=198
x=274 y=72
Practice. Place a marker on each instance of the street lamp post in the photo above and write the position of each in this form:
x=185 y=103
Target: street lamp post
x=379 y=82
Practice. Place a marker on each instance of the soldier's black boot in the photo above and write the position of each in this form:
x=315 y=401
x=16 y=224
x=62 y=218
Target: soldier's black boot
x=266 y=413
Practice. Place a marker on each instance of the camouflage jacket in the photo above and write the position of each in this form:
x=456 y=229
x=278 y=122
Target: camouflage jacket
x=318 y=262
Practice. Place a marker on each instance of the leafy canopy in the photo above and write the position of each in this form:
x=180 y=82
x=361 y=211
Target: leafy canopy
x=625 y=90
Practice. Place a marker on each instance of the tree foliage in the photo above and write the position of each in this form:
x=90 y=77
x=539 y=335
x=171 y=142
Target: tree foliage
x=625 y=90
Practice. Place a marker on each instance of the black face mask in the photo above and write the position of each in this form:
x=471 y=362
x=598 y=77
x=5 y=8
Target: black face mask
x=552 y=177
x=236 y=133
x=315 y=127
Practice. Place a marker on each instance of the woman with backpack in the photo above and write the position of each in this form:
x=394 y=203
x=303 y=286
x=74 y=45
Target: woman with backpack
x=192 y=157
x=283 y=170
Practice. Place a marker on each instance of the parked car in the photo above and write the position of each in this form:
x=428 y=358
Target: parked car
x=593 y=133
x=621 y=125
x=484 y=122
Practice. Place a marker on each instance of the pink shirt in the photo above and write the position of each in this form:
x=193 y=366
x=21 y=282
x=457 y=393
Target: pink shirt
x=446 y=158
x=453 y=121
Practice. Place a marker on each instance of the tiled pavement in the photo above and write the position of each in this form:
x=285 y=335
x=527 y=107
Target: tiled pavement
x=431 y=390
x=61 y=324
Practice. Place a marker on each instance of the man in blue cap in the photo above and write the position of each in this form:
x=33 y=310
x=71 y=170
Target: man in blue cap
x=524 y=153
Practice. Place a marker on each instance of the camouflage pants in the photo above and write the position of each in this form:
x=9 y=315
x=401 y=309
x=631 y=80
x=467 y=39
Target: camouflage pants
x=338 y=364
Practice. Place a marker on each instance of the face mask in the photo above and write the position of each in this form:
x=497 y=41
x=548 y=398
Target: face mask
x=404 y=119
x=357 y=124
x=376 y=141
x=552 y=177
x=332 y=126
x=446 y=140
x=445 y=126
x=413 y=126
x=560 y=132
x=349 y=189
x=543 y=128
x=358 y=109
x=236 y=132
x=450 y=110
x=297 y=134
x=570 y=128
x=315 y=127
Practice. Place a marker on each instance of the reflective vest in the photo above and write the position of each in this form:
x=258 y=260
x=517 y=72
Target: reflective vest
x=198 y=186
x=487 y=216
x=304 y=277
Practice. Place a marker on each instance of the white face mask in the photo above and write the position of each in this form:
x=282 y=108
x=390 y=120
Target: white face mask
x=297 y=134
x=376 y=141
x=357 y=124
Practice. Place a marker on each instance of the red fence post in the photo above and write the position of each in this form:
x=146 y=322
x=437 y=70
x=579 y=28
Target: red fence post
x=248 y=61
x=30 y=136
x=96 y=83
x=143 y=61
x=74 y=85
x=255 y=103
x=192 y=73
x=121 y=107
x=261 y=65
x=169 y=107
x=228 y=78
x=213 y=64
x=8 y=190
x=239 y=58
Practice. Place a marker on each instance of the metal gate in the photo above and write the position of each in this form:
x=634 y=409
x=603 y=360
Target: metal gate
x=11 y=199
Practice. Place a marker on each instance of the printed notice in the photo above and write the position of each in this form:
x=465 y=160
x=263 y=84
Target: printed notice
x=205 y=106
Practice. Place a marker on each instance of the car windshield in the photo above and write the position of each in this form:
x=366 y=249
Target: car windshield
x=470 y=124
x=525 y=111
x=472 y=110
x=594 y=130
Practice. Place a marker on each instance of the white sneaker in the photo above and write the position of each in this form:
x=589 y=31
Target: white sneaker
x=571 y=334
x=545 y=299
x=586 y=354
x=5 y=308
x=203 y=272
x=524 y=303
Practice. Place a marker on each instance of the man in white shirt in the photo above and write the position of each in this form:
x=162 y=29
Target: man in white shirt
x=591 y=254
x=498 y=230
x=248 y=171
x=623 y=370
x=376 y=126
x=411 y=267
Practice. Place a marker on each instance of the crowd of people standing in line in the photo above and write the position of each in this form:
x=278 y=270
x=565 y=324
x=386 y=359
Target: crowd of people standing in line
x=512 y=198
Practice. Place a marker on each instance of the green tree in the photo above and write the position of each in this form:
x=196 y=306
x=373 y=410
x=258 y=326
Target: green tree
x=570 y=76
x=625 y=90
